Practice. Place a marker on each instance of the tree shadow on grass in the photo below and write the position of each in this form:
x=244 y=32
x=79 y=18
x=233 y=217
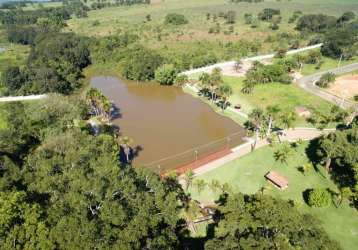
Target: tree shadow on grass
x=305 y=194
x=311 y=153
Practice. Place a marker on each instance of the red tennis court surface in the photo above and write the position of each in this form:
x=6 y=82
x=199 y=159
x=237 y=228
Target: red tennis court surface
x=202 y=161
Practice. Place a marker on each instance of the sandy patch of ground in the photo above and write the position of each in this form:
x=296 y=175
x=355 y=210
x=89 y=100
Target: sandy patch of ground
x=345 y=86
x=238 y=71
x=241 y=70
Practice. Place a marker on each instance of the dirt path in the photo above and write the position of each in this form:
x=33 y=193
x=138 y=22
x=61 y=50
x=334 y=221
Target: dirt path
x=231 y=64
x=22 y=98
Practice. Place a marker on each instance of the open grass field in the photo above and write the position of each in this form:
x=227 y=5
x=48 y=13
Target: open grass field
x=11 y=54
x=133 y=18
x=285 y=96
x=247 y=176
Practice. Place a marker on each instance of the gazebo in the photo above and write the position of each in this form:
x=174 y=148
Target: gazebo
x=277 y=179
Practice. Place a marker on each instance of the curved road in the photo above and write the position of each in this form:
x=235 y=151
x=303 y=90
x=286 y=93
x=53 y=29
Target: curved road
x=308 y=84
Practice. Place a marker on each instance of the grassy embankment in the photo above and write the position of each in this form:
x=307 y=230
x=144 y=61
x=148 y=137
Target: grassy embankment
x=247 y=176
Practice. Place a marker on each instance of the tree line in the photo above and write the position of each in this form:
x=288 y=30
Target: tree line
x=339 y=34
x=55 y=64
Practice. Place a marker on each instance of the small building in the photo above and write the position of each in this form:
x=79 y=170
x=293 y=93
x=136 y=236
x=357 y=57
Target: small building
x=303 y=111
x=278 y=180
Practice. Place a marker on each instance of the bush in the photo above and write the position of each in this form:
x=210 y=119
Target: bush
x=96 y=23
x=326 y=79
x=13 y=79
x=21 y=34
x=355 y=98
x=140 y=64
x=175 y=19
x=313 y=57
x=166 y=74
x=316 y=23
x=319 y=198
x=340 y=43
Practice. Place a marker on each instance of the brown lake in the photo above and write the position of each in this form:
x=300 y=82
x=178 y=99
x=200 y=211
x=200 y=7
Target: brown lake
x=168 y=126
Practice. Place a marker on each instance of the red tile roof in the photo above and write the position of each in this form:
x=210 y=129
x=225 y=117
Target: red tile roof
x=277 y=179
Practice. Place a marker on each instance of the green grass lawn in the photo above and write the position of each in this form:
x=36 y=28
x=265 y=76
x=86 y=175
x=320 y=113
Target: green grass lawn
x=286 y=96
x=328 y=63
x=247 y=176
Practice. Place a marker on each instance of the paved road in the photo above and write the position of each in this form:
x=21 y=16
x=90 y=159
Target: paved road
x=308 y=84
x=21 y=98
x=255 y=58
x=244 y=149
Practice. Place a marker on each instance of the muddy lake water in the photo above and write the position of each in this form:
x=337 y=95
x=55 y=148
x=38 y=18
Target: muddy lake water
x=168 y=126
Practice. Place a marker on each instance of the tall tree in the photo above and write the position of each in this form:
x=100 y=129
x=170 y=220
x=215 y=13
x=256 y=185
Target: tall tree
x=263 y=222
x=225 y=91
x=257 y=123
x=273 y=114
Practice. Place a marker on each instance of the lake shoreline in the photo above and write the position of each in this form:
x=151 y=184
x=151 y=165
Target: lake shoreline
x=181 y=124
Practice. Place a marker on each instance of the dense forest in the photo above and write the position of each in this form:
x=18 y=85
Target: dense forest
x=62 y=186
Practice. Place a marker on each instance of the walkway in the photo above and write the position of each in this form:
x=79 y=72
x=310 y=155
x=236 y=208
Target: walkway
x=308 y=84
x=242 y=150
x=21 y=98
x=255 y=58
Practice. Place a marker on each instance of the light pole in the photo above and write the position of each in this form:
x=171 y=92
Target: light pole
x=340 y=60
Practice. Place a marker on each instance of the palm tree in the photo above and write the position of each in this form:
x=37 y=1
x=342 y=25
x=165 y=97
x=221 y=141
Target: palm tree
x=257 y=120
x=328 y=149
x=215 y=81
x=225 y=92
x=126 y=144
x=226 y=188
x=288 y=119
x=99 y=103
x=200 y=185
x=283 y=153
x=204 y=78
x=238 y=65
x=214 y=185
x=265 y=189
x=92 y=97
x=273 y=112
x=188 y=177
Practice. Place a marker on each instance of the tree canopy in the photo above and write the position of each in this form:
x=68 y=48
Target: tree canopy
x=262 y=222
